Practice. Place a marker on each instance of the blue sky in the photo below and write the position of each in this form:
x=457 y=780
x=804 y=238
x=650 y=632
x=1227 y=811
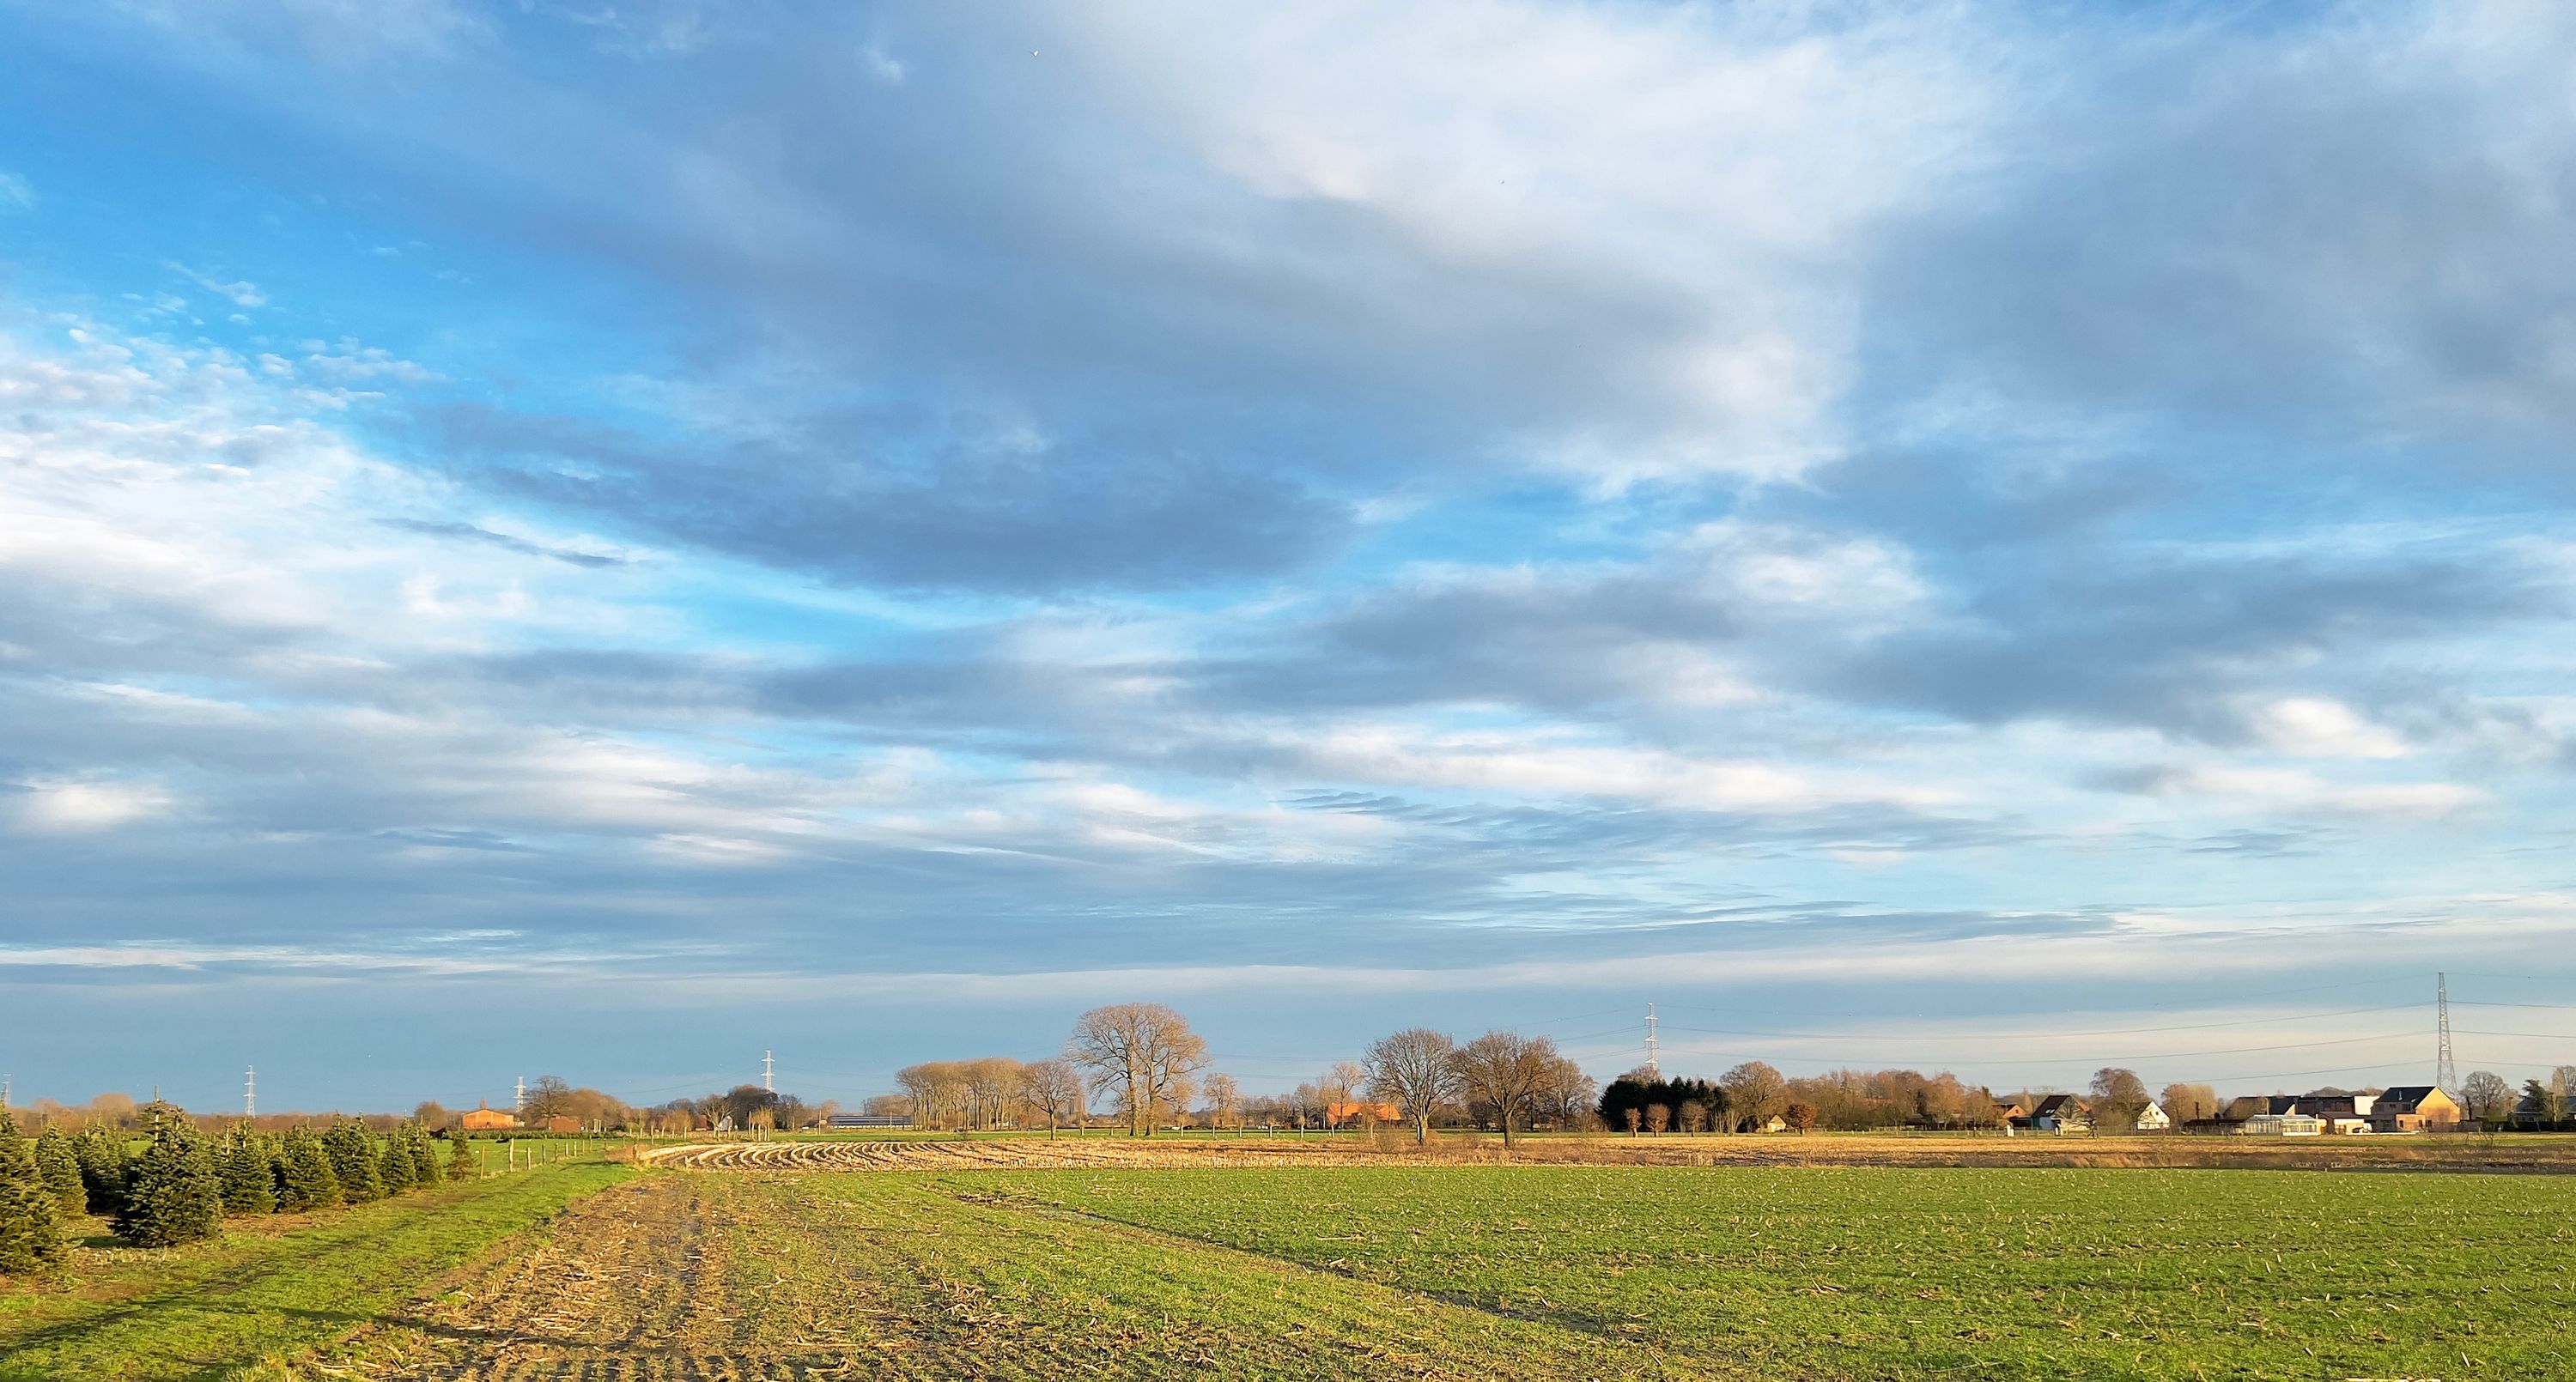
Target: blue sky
x=602 y=538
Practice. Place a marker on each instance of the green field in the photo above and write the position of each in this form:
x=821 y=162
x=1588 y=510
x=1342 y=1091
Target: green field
x=1377 y=1271
x=274 y=1287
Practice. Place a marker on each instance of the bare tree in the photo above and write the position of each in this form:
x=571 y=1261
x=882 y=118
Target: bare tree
x=1224 y=1101
x=2189 y=1103
x=1569 y=1096
x=1658 y=1118
x=1145 y=1052
x=1054 y=1089
x=1755 y=1094
x=1799 y=1116
x=992 y=1086
x=1306 y=1105
x=1504 y=1073
x=1416 y=1071
x=2486 y=1096
x=548 y=1096
x=2119 y=1096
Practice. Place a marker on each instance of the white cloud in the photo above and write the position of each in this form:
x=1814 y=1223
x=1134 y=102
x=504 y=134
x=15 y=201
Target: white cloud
x=74 y=806
x=15 y=194
x=2317 y=727
x=239 y=292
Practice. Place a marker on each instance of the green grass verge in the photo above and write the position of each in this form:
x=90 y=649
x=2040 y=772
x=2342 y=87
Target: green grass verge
x=269 y=1287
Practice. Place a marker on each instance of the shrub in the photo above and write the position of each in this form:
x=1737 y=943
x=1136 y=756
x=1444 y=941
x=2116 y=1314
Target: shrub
x=460 y=1156
x=31 y=1226
x=393 y=1166
x=305 y=1178
x=60 y=1168
x=174 y=1194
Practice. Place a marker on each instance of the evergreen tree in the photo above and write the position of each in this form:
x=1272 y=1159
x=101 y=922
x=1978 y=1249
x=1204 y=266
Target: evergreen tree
x=424 y=1157
x=355 y=1161
x=60 y=1168
x=249 y=1187
x=175 y=1194
x=460 y=1156
x=393 y=1166
x=103 y=1168
x=305 y=1178
x=31 y=1226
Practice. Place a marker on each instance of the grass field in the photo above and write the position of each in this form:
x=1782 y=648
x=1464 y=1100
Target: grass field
x=1388 y=1270
x=274 y=1287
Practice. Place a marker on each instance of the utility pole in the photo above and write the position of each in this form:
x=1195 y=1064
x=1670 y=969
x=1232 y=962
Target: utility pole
x=768 y=1073
x=1654 y=1068
x=250 y=1091
x=2445 y=1073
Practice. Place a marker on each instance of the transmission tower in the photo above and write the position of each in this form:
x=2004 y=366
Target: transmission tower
x=250 y=1091
x=768 y=1073
x=2445 y=1074
x=519 y=1103
x=1654 y=1068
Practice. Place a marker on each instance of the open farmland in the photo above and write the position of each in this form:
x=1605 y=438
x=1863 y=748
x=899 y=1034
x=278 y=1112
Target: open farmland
x=272 y=1286
x=1395 y=1270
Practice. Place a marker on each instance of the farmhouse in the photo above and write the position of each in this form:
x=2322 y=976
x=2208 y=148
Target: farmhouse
x=2010 y=1112
x=2060 y=1113
x=2154 y=1119
x=1338 y=1114
x=485 y=1118
x=2414 y=1108
x=2341 y=1113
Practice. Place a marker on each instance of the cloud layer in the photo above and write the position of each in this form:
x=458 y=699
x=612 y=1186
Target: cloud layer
x=1499 y=511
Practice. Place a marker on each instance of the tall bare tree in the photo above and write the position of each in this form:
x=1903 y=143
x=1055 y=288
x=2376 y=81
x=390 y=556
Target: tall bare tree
x=1504 y=1073
x=1755 y=1094
x=1415 y=1070
x=1145 y=1053
x=1054 y=1089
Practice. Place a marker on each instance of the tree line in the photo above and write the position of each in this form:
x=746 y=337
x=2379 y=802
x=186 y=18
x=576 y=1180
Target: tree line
x=181 y=1183
x=1144 y=1061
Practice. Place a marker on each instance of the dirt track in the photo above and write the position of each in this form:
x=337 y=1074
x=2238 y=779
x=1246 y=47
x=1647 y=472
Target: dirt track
x=641 y=1283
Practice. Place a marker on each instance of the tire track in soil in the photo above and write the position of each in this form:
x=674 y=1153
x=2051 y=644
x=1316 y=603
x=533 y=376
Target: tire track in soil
x=635 y=1284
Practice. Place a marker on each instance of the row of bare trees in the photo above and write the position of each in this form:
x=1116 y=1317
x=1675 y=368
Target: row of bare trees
x=1502 y=1078
x=1141 y=1058
x=1144 y=1061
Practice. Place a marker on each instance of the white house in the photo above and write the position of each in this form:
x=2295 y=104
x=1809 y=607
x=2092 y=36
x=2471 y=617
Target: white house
x=2154 y=1119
